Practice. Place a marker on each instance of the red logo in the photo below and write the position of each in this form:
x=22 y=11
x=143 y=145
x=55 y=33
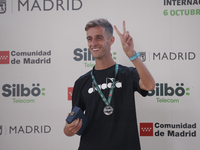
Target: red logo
x=70 y=90
x=4 y=57
x=146 y=129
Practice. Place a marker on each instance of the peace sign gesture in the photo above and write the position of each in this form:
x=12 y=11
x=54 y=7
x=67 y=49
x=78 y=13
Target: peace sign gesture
x=126 y=40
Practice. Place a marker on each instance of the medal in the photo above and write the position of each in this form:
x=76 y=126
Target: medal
x=108 y=110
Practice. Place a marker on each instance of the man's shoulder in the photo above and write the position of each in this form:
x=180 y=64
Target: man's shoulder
x=125 y=69
x=84 y=77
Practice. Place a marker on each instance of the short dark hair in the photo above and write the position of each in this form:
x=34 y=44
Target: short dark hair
x=100 y=22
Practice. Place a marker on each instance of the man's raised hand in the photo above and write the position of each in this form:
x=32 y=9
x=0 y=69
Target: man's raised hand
x=126 y=40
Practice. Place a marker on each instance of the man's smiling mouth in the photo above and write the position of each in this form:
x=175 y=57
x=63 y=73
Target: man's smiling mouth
x=95 y=49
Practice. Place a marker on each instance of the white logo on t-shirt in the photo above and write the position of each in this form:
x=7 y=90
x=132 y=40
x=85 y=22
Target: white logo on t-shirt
x=104 y=86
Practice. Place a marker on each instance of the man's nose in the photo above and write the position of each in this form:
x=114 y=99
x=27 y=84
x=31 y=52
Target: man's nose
x=94 y=42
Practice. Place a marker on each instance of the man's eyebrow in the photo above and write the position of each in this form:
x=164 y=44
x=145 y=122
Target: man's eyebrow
x=99 y=35
x=88 y=37
x=96 y=36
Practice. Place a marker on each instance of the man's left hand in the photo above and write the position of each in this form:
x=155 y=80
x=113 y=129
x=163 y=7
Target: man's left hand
x=126 y=40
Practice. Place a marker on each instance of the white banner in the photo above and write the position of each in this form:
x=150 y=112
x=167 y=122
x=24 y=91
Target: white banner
x=44 y=50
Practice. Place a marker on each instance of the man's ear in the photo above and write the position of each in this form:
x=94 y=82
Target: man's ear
x=111 y=40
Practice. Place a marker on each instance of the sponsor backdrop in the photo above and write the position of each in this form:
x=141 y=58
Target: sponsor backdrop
x=43 y=50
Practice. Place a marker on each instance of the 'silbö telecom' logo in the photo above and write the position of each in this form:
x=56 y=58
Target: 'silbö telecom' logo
x=84 y=55
x=21 y=93
x=163 y=89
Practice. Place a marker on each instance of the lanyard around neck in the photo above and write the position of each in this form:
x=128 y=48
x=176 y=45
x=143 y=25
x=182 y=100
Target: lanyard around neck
x=107 y=102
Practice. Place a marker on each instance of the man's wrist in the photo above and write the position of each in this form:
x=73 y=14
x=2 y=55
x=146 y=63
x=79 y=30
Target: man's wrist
x=135 y=56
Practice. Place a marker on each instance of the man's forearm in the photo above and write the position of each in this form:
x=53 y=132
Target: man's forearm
x=145 y=75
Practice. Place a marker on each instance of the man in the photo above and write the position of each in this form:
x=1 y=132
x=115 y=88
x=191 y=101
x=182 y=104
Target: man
x=106 y=93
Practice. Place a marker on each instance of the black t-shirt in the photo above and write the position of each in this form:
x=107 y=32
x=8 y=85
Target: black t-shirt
x=117 y=131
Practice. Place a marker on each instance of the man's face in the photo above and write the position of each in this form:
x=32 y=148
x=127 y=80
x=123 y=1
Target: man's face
x=98 y=42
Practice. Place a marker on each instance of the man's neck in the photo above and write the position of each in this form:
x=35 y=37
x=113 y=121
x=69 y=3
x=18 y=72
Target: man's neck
x=104 y=64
